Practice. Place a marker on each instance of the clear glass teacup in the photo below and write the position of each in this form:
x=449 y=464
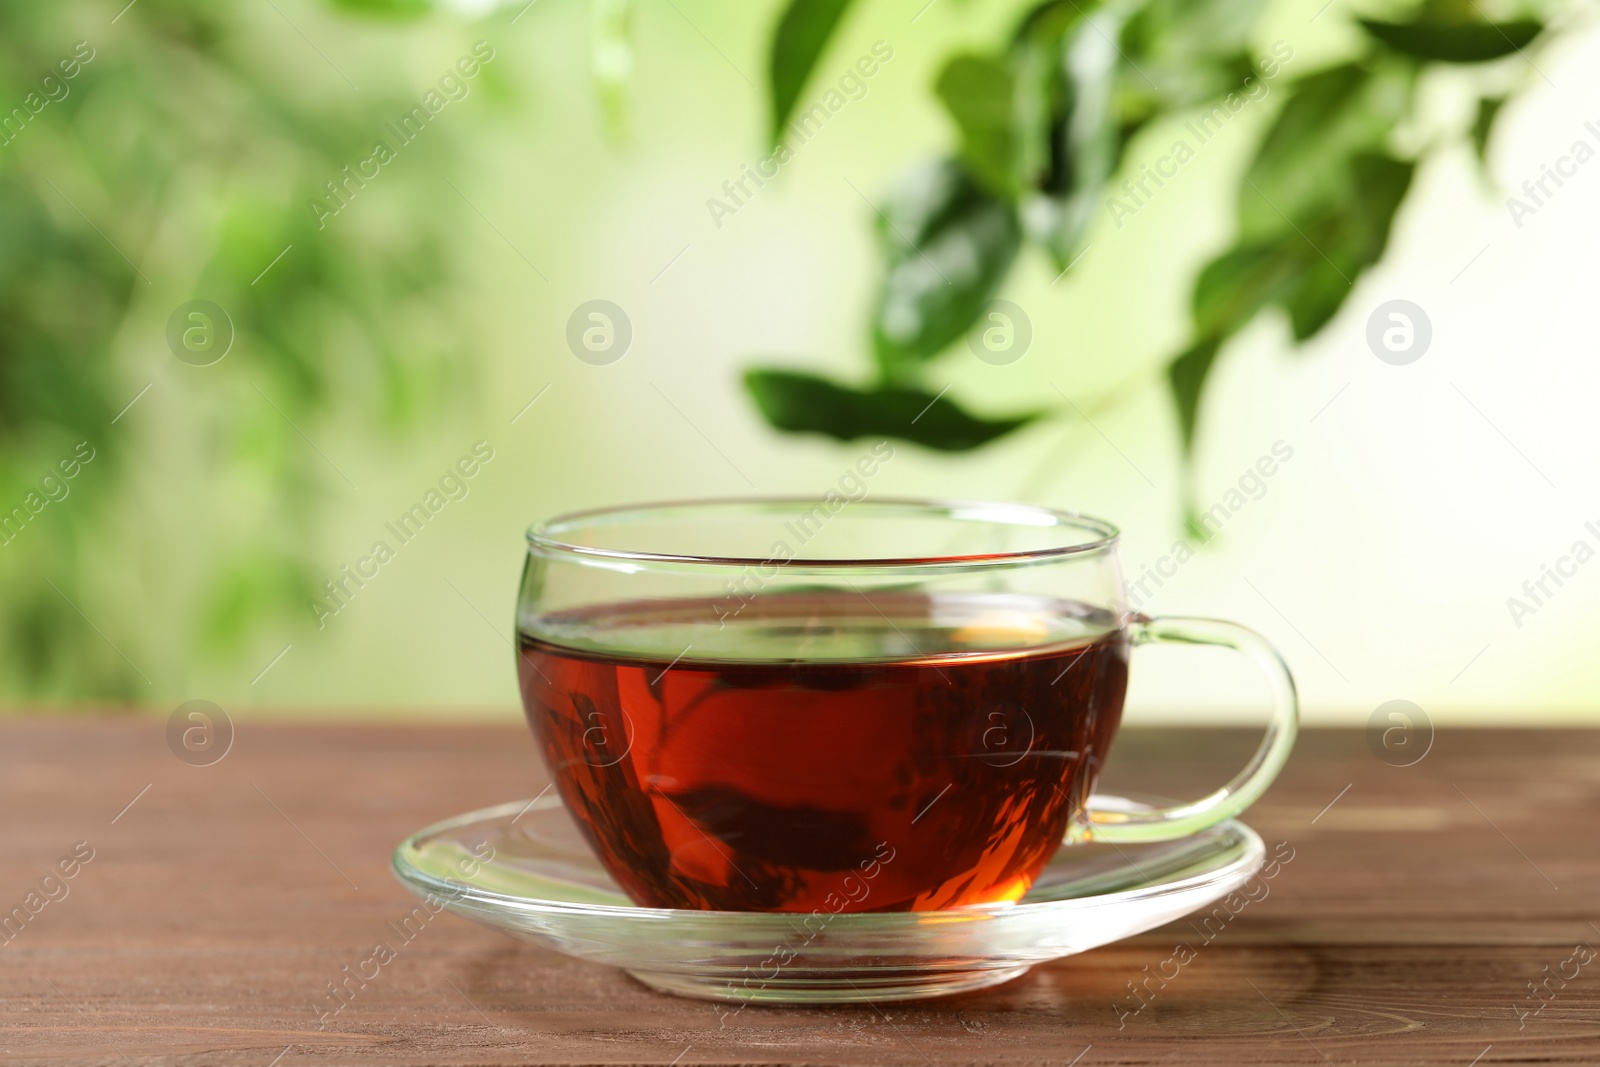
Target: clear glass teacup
x=869 y=705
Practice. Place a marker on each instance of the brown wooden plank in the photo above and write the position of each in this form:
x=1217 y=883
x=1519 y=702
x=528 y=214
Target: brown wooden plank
x=219 y=905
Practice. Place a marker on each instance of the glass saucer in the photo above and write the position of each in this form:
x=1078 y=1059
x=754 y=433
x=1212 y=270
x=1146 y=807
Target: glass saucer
x=541 y=883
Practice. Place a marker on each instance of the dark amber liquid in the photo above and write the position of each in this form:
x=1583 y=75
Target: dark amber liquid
x=824 y=751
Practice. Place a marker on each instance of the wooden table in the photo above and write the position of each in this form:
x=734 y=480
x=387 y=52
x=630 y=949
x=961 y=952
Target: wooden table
x=1420 y=903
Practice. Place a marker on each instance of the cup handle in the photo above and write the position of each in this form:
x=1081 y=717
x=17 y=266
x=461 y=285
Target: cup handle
x=1181 y=820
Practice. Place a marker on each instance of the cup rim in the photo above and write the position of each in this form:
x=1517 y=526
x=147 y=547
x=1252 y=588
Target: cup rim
x=545 y=536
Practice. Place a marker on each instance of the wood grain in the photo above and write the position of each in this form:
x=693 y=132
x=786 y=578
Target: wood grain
x=216 y=909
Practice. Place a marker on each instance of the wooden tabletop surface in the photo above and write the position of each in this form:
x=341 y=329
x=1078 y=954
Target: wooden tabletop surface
x=219 y=901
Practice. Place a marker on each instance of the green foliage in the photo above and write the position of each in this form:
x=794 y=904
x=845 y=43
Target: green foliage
x=948 y=244
x=191 y=150
x=805 y=403
x=980 y=94
x=1315 y=208
x=797 y=43
x=1455 y=42
x=1186 y=376
x=1483 y=124
x=1040 y=127
x=1300 y=170
x=1179 y=53
x=1086 y=132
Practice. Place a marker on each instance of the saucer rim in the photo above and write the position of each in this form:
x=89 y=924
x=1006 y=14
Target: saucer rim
x=459 y=892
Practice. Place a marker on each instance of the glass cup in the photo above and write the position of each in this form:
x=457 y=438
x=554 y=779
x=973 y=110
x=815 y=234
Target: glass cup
x=857 y=705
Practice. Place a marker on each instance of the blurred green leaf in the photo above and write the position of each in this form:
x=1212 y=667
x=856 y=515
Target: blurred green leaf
x=1177 y=53
x=1301 y=170
x=1233 y=287
x=1043 y=99
x=392 y=9
x=1308 y=272
x=1047 y=24
x=797 y=43
x=949 y=244
x=1455 y=42
x=1315 y=210
x=1186 y=378
x=63 y=290
x=1317 y=201
x=806 y=403
x=1483 y=125
x=1190 y=33
x=1087 y=136
x=1347 y=242
x=979 y=93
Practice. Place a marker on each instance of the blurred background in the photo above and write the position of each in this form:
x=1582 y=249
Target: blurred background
x=180 y=479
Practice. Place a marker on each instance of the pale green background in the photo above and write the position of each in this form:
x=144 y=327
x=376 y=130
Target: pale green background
x=1380 y=559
